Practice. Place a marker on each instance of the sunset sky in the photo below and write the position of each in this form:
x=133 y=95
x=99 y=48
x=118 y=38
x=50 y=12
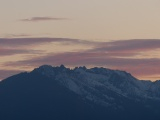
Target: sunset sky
x=116 y=34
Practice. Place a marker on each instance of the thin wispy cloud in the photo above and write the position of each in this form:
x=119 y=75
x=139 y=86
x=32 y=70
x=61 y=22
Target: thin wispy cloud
x=12 y=46
x=38 y=19
x=129 y=46
x=14 y=51
x=115 y=49
x=120 y=46
x=16 y=35
x=32 y=41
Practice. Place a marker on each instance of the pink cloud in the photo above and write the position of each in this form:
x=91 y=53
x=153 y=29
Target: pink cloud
x=137 y=67
x=105 y=54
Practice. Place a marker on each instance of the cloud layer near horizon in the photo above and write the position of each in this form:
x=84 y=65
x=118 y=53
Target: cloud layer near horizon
x=134 y=56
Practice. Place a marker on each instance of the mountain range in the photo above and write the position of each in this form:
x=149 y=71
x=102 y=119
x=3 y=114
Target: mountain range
x=60 y=93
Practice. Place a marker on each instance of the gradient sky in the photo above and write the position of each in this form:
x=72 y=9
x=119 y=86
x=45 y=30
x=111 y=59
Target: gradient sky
x=118 y=34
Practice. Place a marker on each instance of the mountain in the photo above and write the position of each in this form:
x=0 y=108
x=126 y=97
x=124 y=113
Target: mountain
x=60 y=93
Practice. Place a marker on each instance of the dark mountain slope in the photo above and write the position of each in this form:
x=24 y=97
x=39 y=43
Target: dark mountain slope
x=58 y=93
x=32 y=96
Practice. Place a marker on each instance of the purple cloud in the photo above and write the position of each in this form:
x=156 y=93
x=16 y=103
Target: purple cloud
x=136 y=66
x=10 y=51
x=128 y=46
x=37 y=19
x=35 y=41
x=11 y=46
x=105 y=54
x=115 y=47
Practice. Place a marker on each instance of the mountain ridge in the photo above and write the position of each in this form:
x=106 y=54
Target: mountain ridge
x=106 y=75
x=92 y=93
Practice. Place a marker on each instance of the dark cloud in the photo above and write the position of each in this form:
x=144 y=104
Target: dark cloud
x=37 y=19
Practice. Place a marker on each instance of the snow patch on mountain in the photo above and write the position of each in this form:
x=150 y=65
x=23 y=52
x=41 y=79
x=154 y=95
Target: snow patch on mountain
x=100 y=84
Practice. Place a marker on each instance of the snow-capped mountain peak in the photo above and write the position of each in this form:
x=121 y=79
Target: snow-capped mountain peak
x=94 y=93
x=85 y=81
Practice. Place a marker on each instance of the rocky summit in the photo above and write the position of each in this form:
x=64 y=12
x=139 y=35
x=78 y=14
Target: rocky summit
x=60 y=93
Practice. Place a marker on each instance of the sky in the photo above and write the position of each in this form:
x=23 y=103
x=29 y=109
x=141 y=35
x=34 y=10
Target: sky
x=116 y=34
